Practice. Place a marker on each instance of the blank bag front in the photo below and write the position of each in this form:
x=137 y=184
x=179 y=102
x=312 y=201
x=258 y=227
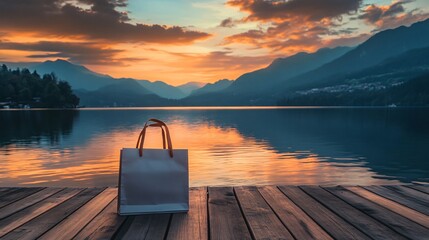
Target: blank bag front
x=153 y=180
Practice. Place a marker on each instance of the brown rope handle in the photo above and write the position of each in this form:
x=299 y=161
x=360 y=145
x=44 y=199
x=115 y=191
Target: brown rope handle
x=158 y=123
x=153 y=125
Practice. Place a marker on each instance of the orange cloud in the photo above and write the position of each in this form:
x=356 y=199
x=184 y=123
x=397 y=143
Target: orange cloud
x=295 y=25
x=280 y=10
x=87 y=19
x=391 y=16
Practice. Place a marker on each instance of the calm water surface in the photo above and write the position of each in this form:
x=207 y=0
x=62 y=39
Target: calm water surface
x=235 y=146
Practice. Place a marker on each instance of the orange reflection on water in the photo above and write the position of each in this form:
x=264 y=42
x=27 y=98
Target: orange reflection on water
x=217 y=156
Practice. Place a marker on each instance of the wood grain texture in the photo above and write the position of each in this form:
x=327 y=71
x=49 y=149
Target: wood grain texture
x=225 y=218
x=297 y=221
x=418 y=196
x=16 y=194
x=6 y=191
x=421 y=188
x=70 y=226
x=265 y=212
x=27 y=201
x=409 y=213
x=332 y=223
x=263 y=222
x=395 y=221
x=399 y=198
x=360 y=220
x=194 y=224
x=39 y=225
x=13 y=221
x=104 y=225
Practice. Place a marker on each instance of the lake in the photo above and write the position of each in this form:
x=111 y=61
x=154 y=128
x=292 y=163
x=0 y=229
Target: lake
x=227 y=146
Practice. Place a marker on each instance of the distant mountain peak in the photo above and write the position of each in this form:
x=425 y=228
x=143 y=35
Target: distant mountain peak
x=188 y=87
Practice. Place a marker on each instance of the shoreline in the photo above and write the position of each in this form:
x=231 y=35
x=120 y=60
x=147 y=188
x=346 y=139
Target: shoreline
x=178 y=108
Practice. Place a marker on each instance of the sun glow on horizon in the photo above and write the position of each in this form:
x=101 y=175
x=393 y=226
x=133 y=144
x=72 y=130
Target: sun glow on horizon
x=189 y=40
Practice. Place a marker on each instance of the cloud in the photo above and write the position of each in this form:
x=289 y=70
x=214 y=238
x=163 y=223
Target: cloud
x=79 y=52
x=373 y=13
x=293 y=25
x=290 y=26
x=228 y=23
x=87 y=19
x=314 y=10
x=391 y=16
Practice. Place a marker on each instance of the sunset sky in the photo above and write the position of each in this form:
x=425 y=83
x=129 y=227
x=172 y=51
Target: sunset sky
x=178 y=41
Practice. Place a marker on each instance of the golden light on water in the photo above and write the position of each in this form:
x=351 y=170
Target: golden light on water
x=217 y=156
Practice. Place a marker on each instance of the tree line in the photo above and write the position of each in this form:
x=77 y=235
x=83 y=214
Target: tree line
x=21 y=87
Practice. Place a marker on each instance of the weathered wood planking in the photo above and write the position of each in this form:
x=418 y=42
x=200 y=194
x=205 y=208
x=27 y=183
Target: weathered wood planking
x=393 y=220
x=399 y=198
x=105 y=225
x=421 y=188
x=194 y=224
x=226 y=220
x=27 y=201
x=261 y=219
x=418 y=196
x=296 y=220
x=42 y=223
x=409 y=213
x=332 y=223
x=264 y=212
x=15 y=194
x=69 y=227
x=13 y=221
x=360 y=220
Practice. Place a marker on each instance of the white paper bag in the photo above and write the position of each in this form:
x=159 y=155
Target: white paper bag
x=153 y=180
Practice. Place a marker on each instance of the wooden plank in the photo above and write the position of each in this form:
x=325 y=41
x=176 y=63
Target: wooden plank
x=39 y=225
x=17 y=194
x=13 y=221
x=360 y=220
x=393 y=220
x=263 y=222
x=6 y=190
x=191 y=225
x=105 y=225
x=418 y=196
x=421 y=188
x=149 y=226
x=225 y=218
x=70 y=226
x=27 y=201
x=333 y=224
x=297 y=221
x=396 y=197
x=409 y=213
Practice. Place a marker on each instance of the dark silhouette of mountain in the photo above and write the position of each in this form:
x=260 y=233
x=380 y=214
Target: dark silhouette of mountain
x=375 y=50
x=78 y=76
x=402 y=80
x=282 y=69
x=255 y=88
x=213 y=87
x=160 y=88
x=387 y=57
x=123 y=93
x=187 y=88
x=82 y=78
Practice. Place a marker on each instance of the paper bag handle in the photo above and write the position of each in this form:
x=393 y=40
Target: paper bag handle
x=153 y=125
x=157 y=123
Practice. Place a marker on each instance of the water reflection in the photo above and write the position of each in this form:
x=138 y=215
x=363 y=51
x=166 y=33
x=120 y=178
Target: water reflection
x=226 y=147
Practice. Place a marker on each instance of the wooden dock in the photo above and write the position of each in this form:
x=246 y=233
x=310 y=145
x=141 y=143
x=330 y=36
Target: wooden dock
x=266 y=212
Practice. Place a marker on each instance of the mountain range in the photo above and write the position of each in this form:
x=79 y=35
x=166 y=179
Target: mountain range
x=380 y=71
